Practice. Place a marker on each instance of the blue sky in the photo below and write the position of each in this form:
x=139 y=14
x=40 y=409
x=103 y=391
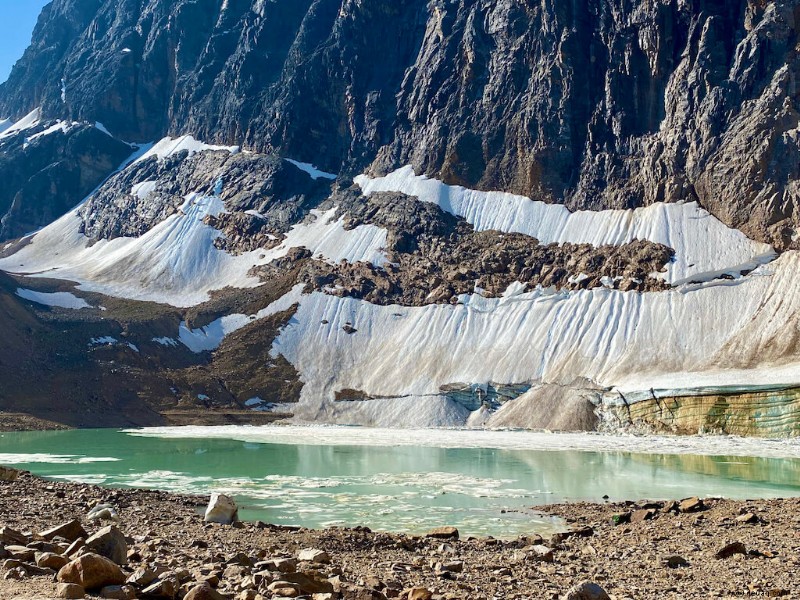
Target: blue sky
x=17 y=19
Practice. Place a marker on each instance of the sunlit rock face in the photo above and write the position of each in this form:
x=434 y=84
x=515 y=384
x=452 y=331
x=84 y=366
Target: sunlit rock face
x=602 y=104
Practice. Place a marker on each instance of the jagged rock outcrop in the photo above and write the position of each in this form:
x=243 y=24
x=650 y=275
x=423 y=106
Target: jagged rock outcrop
x=275 y=192
x=434 y=257
x=45 y=174
x=596 y=104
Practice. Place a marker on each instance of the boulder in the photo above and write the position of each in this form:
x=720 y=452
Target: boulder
x=443 y=533
x=689 y=505
x=70 y=531
x=730 y=549
x=8 y=474
x=221 y=509
x=163 y=588
x=118 y=592
x=103 y=512
x=314 y=555
x=419 y=593
x=586 y=590
x=91 y=571
x=71 y=591
x=50 y=560
x=109 y=542
x=203 y=592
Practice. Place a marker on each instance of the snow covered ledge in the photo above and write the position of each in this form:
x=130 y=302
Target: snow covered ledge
x=704 y=247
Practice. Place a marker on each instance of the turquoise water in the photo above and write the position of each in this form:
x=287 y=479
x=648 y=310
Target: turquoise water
x=409 y=488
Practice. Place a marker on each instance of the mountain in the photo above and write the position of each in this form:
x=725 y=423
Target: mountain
x=539 y=214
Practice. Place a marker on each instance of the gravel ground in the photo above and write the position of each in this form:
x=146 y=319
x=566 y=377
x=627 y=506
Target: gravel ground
x=633 y=551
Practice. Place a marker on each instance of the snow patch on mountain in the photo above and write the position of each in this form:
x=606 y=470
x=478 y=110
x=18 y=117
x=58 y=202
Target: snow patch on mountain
x=32 y=119
x=312 y=171
x=723 y=333
x=704 y=247
x=210 y=337
x=56 y=299
x=169 y=146
x=176 y=262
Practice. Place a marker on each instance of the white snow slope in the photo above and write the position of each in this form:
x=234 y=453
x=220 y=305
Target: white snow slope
x=176 y=262
x=704 y=247
x=716 y=332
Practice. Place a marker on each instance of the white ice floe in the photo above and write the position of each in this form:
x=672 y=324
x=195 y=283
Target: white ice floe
x=56 y=299
x=313 y=172
x=704 y=247
x=320 y=435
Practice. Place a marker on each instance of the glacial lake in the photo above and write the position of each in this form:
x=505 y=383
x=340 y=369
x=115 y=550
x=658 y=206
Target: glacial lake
x=484 y=483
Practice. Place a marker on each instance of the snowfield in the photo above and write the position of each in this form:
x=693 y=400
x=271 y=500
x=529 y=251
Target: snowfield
x=57 y=299
x=703 y=332
x=704 y=247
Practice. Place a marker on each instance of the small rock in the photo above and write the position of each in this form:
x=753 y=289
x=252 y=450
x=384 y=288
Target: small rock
x=12 y=536
x=221 y=509
x=731 y=549
x=283 y=589
x=73 y=548
x=22 y=553
x=71 y=591
x=642 y=515
x=691 y=505
x=621 y=518
x=142 y=577
x=542 y=553
x=671 y=506
x=748 y=518
x=91 y=571
x=164 y=588
x=111 y=543
x=118 y=592
x=454 y=566
x=443 y=533
x=314 y=555
x=675 y=561
x=307 y=583
x=283 y=565
x=203 y=592
x=586 y=590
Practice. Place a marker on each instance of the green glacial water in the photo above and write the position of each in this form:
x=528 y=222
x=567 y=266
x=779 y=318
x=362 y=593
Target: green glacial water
x=318 y=477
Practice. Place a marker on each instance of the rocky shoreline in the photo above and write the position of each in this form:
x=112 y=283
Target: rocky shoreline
x=684 y=549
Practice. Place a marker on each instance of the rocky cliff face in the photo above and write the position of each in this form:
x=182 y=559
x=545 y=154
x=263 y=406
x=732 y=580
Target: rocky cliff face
x=601 y=104
x=406 y=197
